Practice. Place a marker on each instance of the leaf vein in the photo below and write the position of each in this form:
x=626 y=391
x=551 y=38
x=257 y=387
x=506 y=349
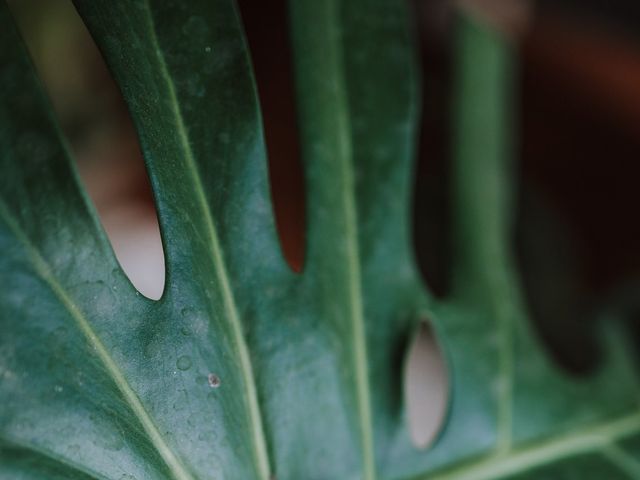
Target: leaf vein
x=354 y=275
x=622 y=460
x=259 y=439
x=43 y=269
x=42 y=452
x=592 y=439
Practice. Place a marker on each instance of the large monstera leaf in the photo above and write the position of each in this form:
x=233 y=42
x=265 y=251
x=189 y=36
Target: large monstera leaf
x=244 y=369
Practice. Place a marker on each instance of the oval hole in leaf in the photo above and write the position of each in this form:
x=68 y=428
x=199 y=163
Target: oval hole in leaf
x=95 y=121
x=426 y=387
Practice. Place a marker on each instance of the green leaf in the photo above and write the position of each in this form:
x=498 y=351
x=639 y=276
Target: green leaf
x=245 y=369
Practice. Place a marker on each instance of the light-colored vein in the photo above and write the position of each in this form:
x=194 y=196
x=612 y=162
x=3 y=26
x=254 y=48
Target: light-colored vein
x=36 y=450
x=623 y=460
x=593 y=439
x=354 y=276
x=259 y=440
x=505 y=316
x=41 y=267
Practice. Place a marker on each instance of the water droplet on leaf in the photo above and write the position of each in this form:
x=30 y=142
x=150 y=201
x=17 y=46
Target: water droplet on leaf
x=184 y=362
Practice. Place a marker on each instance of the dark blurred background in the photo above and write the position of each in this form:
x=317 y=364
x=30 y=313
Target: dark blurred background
x=578 y=113
x=578 y=122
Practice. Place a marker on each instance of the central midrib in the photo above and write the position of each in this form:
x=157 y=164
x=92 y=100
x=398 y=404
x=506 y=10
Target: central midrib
x=356 y=313
x=259 y=439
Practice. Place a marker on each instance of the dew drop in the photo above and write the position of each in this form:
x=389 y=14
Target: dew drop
x=207 y=49
x=184 y=362
x=213 y=380
x=58 y=388
x=181 y=400
x=186 y=331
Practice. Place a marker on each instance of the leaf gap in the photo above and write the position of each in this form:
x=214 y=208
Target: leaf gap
x=95 y=121
x=267 y=31
x=431 y=200
x=426 y=387
x=577 y=242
